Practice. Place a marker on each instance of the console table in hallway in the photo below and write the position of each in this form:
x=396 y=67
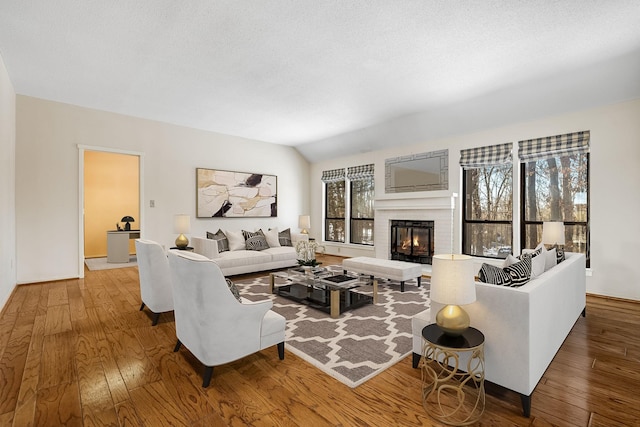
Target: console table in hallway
x=118 y=245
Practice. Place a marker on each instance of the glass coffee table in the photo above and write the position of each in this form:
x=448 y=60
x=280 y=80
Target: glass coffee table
x=333 y=293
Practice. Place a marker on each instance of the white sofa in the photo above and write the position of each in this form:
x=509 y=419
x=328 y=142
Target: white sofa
x=246 y=261
x=523 y=327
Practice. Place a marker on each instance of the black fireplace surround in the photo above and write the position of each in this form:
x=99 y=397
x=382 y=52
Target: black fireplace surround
x=412 y=241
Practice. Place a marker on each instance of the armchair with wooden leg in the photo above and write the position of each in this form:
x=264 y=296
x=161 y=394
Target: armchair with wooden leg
x=214 y=325
x=155 y=278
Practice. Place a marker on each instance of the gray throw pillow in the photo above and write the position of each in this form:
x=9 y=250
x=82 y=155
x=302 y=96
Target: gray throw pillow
x=221 y=240
x=285 y=237
x=233 y=289
x=255 y=241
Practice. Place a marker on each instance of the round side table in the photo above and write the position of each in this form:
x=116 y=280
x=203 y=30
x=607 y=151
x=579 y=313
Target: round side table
x=453 y=375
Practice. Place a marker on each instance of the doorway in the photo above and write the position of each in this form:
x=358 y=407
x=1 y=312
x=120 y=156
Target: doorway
x=110 y=189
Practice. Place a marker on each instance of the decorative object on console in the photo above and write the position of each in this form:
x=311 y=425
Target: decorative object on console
x=306 y=251
x=255 y=194
x=127 y=220
x=182 y=225
x=452 y=283
x=304 y=222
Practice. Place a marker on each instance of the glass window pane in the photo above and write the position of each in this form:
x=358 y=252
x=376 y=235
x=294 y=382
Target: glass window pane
x=334 y=230
x=489 y=193
x=488 y=240
x=555 y=189
x=362 y=231
x=362 y=198
x=335 y=199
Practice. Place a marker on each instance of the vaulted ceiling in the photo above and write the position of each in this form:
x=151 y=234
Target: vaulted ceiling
x=308 y=72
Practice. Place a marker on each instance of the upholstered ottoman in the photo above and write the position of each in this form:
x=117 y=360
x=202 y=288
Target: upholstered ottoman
x=385 y=268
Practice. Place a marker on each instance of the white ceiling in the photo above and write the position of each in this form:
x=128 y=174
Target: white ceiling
x=297 y=72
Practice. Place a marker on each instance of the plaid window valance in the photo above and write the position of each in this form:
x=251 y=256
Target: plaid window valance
x=360 y=173
x=333 y=175
x=552 y=146
x=491 y=155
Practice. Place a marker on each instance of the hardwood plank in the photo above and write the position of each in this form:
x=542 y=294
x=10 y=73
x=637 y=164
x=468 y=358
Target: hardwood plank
x=12 y=366
x=119 y=392
x=58 y=320
x=58 y=405
x=152 y=407
x=94 y=389
x=127 y=414
x=135 y=366
x=57 y=294
x=57 y=365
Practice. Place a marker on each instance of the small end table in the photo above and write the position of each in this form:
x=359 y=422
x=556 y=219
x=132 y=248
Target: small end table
x=453 y=375
x=188 y=248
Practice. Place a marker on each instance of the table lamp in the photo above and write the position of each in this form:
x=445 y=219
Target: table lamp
x=553 y=233
x=182 y=225
x=304 y=222
x=127 y=219
x=453 y=284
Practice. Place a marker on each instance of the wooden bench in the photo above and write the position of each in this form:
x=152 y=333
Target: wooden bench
x=385 y=268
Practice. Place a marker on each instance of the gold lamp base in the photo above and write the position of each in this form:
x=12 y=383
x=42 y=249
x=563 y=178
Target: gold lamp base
x=453 y=320
x=182 y=242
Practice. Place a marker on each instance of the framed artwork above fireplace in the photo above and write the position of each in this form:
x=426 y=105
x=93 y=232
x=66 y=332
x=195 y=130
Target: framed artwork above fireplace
x=417 y=172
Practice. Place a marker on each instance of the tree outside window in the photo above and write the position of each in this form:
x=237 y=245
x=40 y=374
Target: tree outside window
x=488 y=211
x=362 y=212
x=334 y=227
x=557 y=189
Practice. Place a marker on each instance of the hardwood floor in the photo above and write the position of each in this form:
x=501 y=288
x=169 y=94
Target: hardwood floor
x=78 y=352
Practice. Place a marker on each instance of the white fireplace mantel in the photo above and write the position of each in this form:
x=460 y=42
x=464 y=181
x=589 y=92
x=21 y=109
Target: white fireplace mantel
x=437 y=209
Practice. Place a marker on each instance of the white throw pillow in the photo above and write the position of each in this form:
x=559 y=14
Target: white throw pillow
x=550 y=259
x=537 y=265
x=236 y=240
x=272 y=237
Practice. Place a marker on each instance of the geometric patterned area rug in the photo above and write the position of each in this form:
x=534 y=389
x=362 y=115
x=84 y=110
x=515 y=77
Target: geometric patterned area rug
x=361 y=343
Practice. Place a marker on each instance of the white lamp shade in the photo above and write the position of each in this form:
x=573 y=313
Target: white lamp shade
x=181 y=224
x=553 y=233
x=304 y=221
x=453 y=279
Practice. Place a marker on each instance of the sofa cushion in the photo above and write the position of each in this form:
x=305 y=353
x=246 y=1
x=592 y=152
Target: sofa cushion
x=255 y=241
x=221 y=240
x=272 y=237
x=285 y=237
x=236 y=240
x=281 y=253
x=495 y=275
x=538 y=260
x=242 y=258
x=520 y=272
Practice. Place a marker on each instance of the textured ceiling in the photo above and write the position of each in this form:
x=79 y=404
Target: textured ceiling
x=303 y=71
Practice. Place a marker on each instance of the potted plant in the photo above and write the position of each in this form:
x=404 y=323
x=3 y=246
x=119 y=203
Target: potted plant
x=306 y=251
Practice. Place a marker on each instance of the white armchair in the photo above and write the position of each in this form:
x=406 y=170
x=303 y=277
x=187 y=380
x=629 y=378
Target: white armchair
x=211 y=322
x=155 y=278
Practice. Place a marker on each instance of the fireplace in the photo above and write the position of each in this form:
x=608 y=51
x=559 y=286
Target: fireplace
x=412 y=241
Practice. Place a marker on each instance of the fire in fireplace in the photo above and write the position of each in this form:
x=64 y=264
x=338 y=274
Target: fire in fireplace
x=412 y=241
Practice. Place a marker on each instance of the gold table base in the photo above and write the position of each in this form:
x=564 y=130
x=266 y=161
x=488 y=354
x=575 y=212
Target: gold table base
x=453 y=394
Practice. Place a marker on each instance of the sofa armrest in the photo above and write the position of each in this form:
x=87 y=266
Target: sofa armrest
x=206 y=247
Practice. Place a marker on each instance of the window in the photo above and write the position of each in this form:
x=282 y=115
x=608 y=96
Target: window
x=359 y=199
x=362 y=196
x=555 y=187
x=334 y=228
x=487 y=221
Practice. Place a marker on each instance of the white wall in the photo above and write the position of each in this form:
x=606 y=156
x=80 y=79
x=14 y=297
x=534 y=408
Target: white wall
x=7 y=185
x=615 y=176
x=47 y=135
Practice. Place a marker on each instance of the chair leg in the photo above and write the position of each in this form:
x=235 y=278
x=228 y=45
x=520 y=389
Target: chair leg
x=281 y=350
x=416 y=360
x=142 y=307
x=402 y=286
x=156 y=317
x=177 y=347
x=419 y=280
x=206 y=377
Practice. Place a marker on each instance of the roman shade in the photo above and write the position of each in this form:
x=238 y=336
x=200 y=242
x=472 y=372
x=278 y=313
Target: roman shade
x=360 y=173
x=333 y=175
x=491 y=155
x=553 y=146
